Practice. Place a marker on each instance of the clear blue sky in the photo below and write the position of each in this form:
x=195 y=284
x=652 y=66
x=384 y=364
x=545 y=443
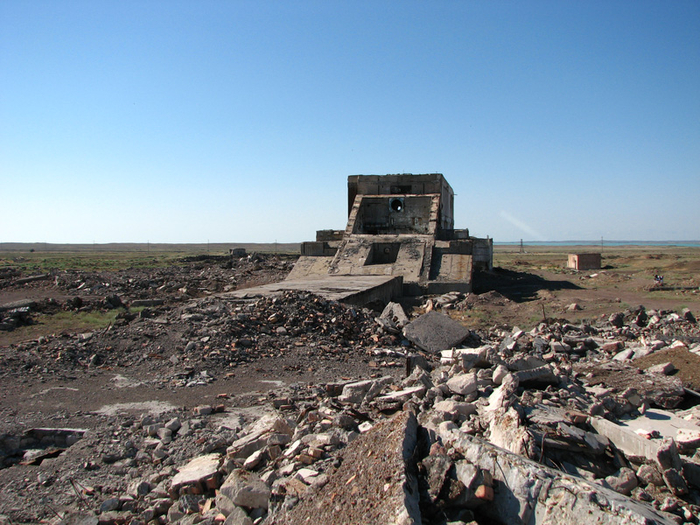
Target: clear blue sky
x=170 y=121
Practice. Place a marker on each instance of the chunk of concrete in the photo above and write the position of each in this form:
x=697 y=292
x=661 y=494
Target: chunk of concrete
x=259 y=435
x=624 y=481
x=435 y=468
x=662 y=368
x=667 y=455
x=499 y=373
x=467 y=357
x=688 y=438
x=649 y=474
x=675 y=482
x=200 y=470
x=625 y=355
x=543 y=375
x=356 y=393
x=246 y=489
x=626 y=439
x=507 y=432
x=403 y=395
x=503 y=396
x=455 y=408
x=237 y=516
x=434 y=332
x=463 y=384
x=393 y=318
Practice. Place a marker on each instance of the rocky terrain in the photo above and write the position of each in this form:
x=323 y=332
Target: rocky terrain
x=191 y=407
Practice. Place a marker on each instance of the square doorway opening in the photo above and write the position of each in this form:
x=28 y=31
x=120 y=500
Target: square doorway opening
x=383 y=253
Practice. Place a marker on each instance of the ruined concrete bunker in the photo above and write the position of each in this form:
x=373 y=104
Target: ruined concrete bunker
x=401 y=226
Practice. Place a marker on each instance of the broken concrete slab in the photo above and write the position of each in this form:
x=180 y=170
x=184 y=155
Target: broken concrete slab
x=23 y=303
x=403 y=395
x=525 y=492
x=626 y=439
x=667 y=424
x=434 y=332
x=356 y=290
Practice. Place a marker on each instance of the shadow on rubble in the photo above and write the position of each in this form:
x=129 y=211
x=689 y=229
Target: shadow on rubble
x=517 y=286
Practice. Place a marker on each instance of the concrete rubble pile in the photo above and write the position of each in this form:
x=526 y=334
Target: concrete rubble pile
x=554 y=425
x=92 y=290
x=208 y=337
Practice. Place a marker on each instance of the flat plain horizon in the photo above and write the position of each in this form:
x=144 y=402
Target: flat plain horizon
x=188 y=122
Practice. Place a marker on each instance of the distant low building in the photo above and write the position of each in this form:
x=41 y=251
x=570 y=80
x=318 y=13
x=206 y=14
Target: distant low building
x=584 y=261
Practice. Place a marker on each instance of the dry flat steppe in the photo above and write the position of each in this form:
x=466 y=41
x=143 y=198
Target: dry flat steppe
x=99 y=339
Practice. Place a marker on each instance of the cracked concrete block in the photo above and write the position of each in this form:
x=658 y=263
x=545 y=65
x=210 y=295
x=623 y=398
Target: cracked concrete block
x=393 y=317
x=463 y=384
x=623 y=481
x=649 y=474
x=667 y=455
x=675 y=482
x=246 y=489
x=507 y=432
x=525 y=492
x=543 y=375
x=356 y=393
x=199 y=470
x=436 y=468
x=499 y=374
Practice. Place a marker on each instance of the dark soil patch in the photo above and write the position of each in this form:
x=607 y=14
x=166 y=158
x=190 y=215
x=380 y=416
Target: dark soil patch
x=687 y=364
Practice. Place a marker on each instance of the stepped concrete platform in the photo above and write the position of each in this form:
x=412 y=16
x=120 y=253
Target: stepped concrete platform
x=350 y=289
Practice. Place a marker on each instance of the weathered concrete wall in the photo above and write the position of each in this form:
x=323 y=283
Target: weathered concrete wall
x=382 y=215
x=406 y=184
x=483 y=254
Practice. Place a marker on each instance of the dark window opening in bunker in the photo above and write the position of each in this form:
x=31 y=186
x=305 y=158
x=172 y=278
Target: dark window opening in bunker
x=383 y=253
x=396 y=204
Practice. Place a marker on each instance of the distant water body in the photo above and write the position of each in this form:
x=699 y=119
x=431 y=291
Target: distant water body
x=684 y=244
